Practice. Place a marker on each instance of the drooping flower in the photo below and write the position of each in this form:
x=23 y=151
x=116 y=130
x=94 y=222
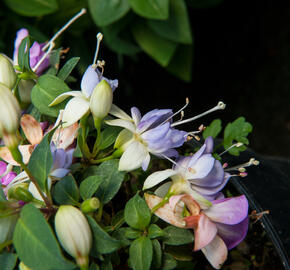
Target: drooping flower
x=200 y=174
x=79 y=105
x=142 y=136
x=219 y=228
x=35 y=52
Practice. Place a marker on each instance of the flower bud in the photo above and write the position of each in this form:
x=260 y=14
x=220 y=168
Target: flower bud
x=9 y=111
x=7 y=73
x=90 y=205
x=19 y=193
x=101 y=100
x=74 y=233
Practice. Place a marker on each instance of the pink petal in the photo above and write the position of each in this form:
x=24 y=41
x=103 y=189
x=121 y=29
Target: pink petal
x=8 y=178
x=165 y=212
x=64 y=137
x=204 y=230
x=216 y=252
x=3 y=167
x=31 y=128
x=6 y=155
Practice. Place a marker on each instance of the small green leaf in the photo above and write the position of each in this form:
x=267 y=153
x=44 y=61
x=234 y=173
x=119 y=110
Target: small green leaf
x=67 y=68
x=137 y=213
x=120 y=235
x=54 y=60
x=33 y=239
x=141 y=253
x=112 y=180
x=151 y=9
x=213 y=129
x=118 y=220
x=8 y=261
x=237 y=131
x=132 y=234
x=33 y=8
x=182 y=253
x=40 y=162
x=45 y=91
x=160 y=49
x=89 y=186
x=168 y=262
x=109 y=11
x=23 y=54
x=2 y=195
x=154 y=231
x=177 y=236
x=177 y=27
x=108 y=136
x=66 y=191
x=157 y=254
x=103 y=242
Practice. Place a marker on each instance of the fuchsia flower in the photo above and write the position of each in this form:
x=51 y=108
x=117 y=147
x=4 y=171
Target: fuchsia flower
x=216 y=229
x=36 y=52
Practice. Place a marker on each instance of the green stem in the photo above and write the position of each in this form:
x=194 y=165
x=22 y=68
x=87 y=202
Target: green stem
x=163 y=202
x=5 y=244
x=84 y=147
x=100 y=213
x=115 y=154
x=98 y=124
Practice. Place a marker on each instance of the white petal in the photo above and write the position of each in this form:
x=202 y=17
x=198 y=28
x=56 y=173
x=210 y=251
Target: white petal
x=123 y=139
x=63 y=96
x=133 y=157
x=157 y=177
x=117 y=112
x=201 y=168
x=122 y=123
x=74 y=110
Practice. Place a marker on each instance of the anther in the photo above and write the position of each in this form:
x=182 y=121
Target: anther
x=72 y=20
x=225 y=165
x=219 y=106
x=99 y=39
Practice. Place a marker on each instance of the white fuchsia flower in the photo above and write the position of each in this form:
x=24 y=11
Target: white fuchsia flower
x=142 y=136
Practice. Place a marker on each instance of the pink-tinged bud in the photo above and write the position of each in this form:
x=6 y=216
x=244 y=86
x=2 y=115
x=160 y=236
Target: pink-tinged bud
x=9 y=111
x=7 y=73
x=74 y=233
x=101 y=100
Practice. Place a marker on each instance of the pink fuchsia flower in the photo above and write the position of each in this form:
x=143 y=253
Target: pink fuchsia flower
x=35 y=52
x=216 y=229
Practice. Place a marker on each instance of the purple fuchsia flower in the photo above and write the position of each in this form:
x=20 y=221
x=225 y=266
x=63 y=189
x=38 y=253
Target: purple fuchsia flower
x=200 y=175
x=216 y=230
x=36 y=52
x=142 y=136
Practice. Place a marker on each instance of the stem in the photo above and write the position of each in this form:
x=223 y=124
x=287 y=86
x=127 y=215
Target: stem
x=116 y=154
x=100 y=213
x=163 y=202
x=98 y=124
x=84 y=147
x=5 y=244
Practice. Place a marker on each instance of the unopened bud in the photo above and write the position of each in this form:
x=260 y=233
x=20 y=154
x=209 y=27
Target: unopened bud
x=101 y=100
x=9 y=111
x=74 y=233
x=7 y=73
x=90 y=205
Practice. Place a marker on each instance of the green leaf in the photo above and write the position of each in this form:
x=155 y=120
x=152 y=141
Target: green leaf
x=54 y=60
x=2 y=195
x=182 y=253
x=33 y=239
x=66 y=191
x=204 y=3
x=109 y=11
x=94 y=266
x=213 y=129
x=8 y=261
x=168 y=262
x=118 y=220
x=177 y=236
x=157 y=254
x=67 y=68
x=40 y=162
x=23 y=54
x=237 y=131
x=112 y=180
x=181 y=63
x=120 y=235
x=132 y=234
x=103 y=242
x=45 y=91
x=160 y=49
x=177 y=27
x=33 y=8
x=108 y=136
x=154 y=231
x=137 y=213
x=89 y=186
x=151 y=9
x=141 y=253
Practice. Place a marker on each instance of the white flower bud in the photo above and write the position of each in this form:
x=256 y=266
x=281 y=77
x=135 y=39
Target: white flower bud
x=73 y=232
x=101 y=100
x=7 y=73
x=9 y=111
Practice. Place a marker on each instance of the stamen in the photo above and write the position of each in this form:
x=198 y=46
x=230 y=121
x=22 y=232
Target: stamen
x=99 y=39
x=225 y=165
x=171 y=160
x=51 y=46
x=239 y=144
x=242 y=167
x=179 y=111
x=72 y=20
x=219 y=106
